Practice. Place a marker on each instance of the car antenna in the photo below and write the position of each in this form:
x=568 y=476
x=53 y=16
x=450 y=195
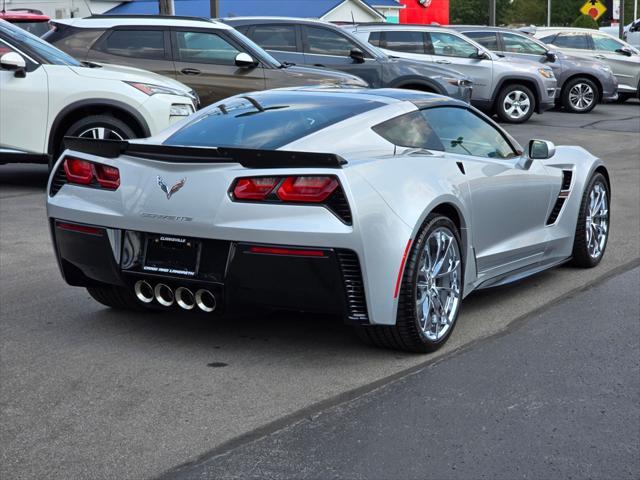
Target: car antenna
x=353 y=21
x=88 y=7
x=4 y=6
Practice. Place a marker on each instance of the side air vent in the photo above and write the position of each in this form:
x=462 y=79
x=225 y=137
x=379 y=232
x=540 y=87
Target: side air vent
x=353 y=287
x=338 y=204
x=59 y=179
x=565 y=189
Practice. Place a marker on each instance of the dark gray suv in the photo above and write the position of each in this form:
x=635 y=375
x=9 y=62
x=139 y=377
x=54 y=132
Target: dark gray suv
x=582 y=83
x=321 y=44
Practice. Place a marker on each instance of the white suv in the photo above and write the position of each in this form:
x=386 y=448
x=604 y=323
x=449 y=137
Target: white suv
x=46 y=95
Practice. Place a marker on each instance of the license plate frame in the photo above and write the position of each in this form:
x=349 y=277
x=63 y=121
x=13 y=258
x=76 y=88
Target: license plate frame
x=171 y=255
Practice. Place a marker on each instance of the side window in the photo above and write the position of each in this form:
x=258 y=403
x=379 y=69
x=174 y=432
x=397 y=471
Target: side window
x=4 y=48
x=374 y=39
x=572 y=40
x=488 y=40
x=275 y=37
x=549 y=39
x=327 y=42
x=135 y=43
x=407 y=41
x=204 y=47
x=450 y=45
x=519 y=44
x=463 y=132
x=409 y=130
x=243 y=29
x=606 y=44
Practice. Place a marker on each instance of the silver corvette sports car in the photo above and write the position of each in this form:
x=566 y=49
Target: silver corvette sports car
x=385 y=206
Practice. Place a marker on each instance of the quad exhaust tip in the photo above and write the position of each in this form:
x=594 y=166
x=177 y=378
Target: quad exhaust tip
x=164 y=295
x=185 y=298
x=205 y=300
x=143 y=291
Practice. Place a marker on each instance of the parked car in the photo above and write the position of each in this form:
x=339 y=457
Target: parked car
x=33 y=21
x=210 y=57
x=322 y=44
x=385 y=206
x=623 y=59
x=513 y=89
x=630 y=33
x=582 y=83
x=47 y=95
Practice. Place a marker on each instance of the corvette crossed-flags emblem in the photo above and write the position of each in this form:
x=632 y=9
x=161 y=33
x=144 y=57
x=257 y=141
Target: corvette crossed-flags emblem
x=169 y=192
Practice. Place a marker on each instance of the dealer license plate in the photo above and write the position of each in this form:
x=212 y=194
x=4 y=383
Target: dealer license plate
x=172 y=255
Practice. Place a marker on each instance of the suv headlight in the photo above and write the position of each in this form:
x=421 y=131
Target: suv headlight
x=150 y=89
x=546 y=72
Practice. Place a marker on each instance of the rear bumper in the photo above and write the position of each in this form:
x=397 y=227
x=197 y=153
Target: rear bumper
x=240 y=274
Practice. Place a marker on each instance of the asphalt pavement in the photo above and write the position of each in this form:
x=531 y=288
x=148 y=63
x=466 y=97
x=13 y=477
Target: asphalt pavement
x=555 y=396
x=86 y=392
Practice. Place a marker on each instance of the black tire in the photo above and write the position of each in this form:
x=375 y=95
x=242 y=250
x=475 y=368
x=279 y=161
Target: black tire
x=581 y=256
x=406 y=334
x=623 y=97
x=116 y=297
x=585 y=87
x=117 y=127
x=500 y=100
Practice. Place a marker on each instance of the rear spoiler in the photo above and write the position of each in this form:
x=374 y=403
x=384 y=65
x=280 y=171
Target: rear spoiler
x=248 y=158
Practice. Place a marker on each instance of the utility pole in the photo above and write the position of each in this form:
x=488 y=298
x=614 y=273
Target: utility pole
x=214 y=8
x=548 y=13
x=621 y=20
x=492 y=13
x=167 y=7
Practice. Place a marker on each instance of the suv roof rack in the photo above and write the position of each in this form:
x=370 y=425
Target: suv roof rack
x=142 y=16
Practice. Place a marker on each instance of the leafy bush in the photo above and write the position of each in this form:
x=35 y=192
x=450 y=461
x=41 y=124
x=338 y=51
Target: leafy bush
x=585 y=21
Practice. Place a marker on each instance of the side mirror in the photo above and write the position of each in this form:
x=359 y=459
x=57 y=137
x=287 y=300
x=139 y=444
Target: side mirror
x=244 y=60
x=481 y=54
x=14 y=62
x=551 y=56
x=357 y=55
x=624 y=51
x=541 y=149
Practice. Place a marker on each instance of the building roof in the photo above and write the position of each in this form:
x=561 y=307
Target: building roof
x=385 y=4
x=233 y=8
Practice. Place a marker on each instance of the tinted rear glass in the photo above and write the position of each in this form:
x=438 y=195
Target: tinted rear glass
x=275 y=37
x=135 y=43
x=571 y=40
x=267 y=121
x=409 y=42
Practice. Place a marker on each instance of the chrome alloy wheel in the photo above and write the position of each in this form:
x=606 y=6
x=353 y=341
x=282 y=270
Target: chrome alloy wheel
x=597 y=222
x=581 y=96
x=516 y=104
x=438 y=284
x=102 y=133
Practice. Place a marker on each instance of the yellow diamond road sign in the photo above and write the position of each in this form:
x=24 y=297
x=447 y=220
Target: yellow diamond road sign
x=593 y=8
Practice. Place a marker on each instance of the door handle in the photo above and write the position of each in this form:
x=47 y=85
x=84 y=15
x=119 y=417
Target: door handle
x=443 y=61
x=190 y=71
x=601 y=57
x=318 y=65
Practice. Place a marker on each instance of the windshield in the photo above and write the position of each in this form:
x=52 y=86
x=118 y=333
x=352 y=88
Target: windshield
x=268 y=120
x=47 y=52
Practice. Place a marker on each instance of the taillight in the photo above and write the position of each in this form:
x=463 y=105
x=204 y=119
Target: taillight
x=299 y=189
x=83 y=172
x=78 y=171
x=307 y=189
x=254 y=188
x=108 y=177
x=321 y=190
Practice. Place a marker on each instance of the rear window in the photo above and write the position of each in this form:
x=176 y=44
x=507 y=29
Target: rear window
x=135 y=43
x=409 y=130
x=488 y=40
x=267 y=121
x=572 y=40
x=275 y=37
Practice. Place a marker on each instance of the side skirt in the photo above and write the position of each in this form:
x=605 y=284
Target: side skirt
x=520 y=274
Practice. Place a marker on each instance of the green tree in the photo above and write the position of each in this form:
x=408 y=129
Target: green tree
x=585 y=21
x=476 y=12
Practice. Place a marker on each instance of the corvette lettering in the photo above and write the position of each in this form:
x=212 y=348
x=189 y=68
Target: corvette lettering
x=166 y=217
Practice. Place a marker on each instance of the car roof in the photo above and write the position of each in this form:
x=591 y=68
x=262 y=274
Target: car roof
x=23 y=16
x=369 y=27
x=262 y=20
x=485 y=28
x=109 y=21
x=386 y=95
